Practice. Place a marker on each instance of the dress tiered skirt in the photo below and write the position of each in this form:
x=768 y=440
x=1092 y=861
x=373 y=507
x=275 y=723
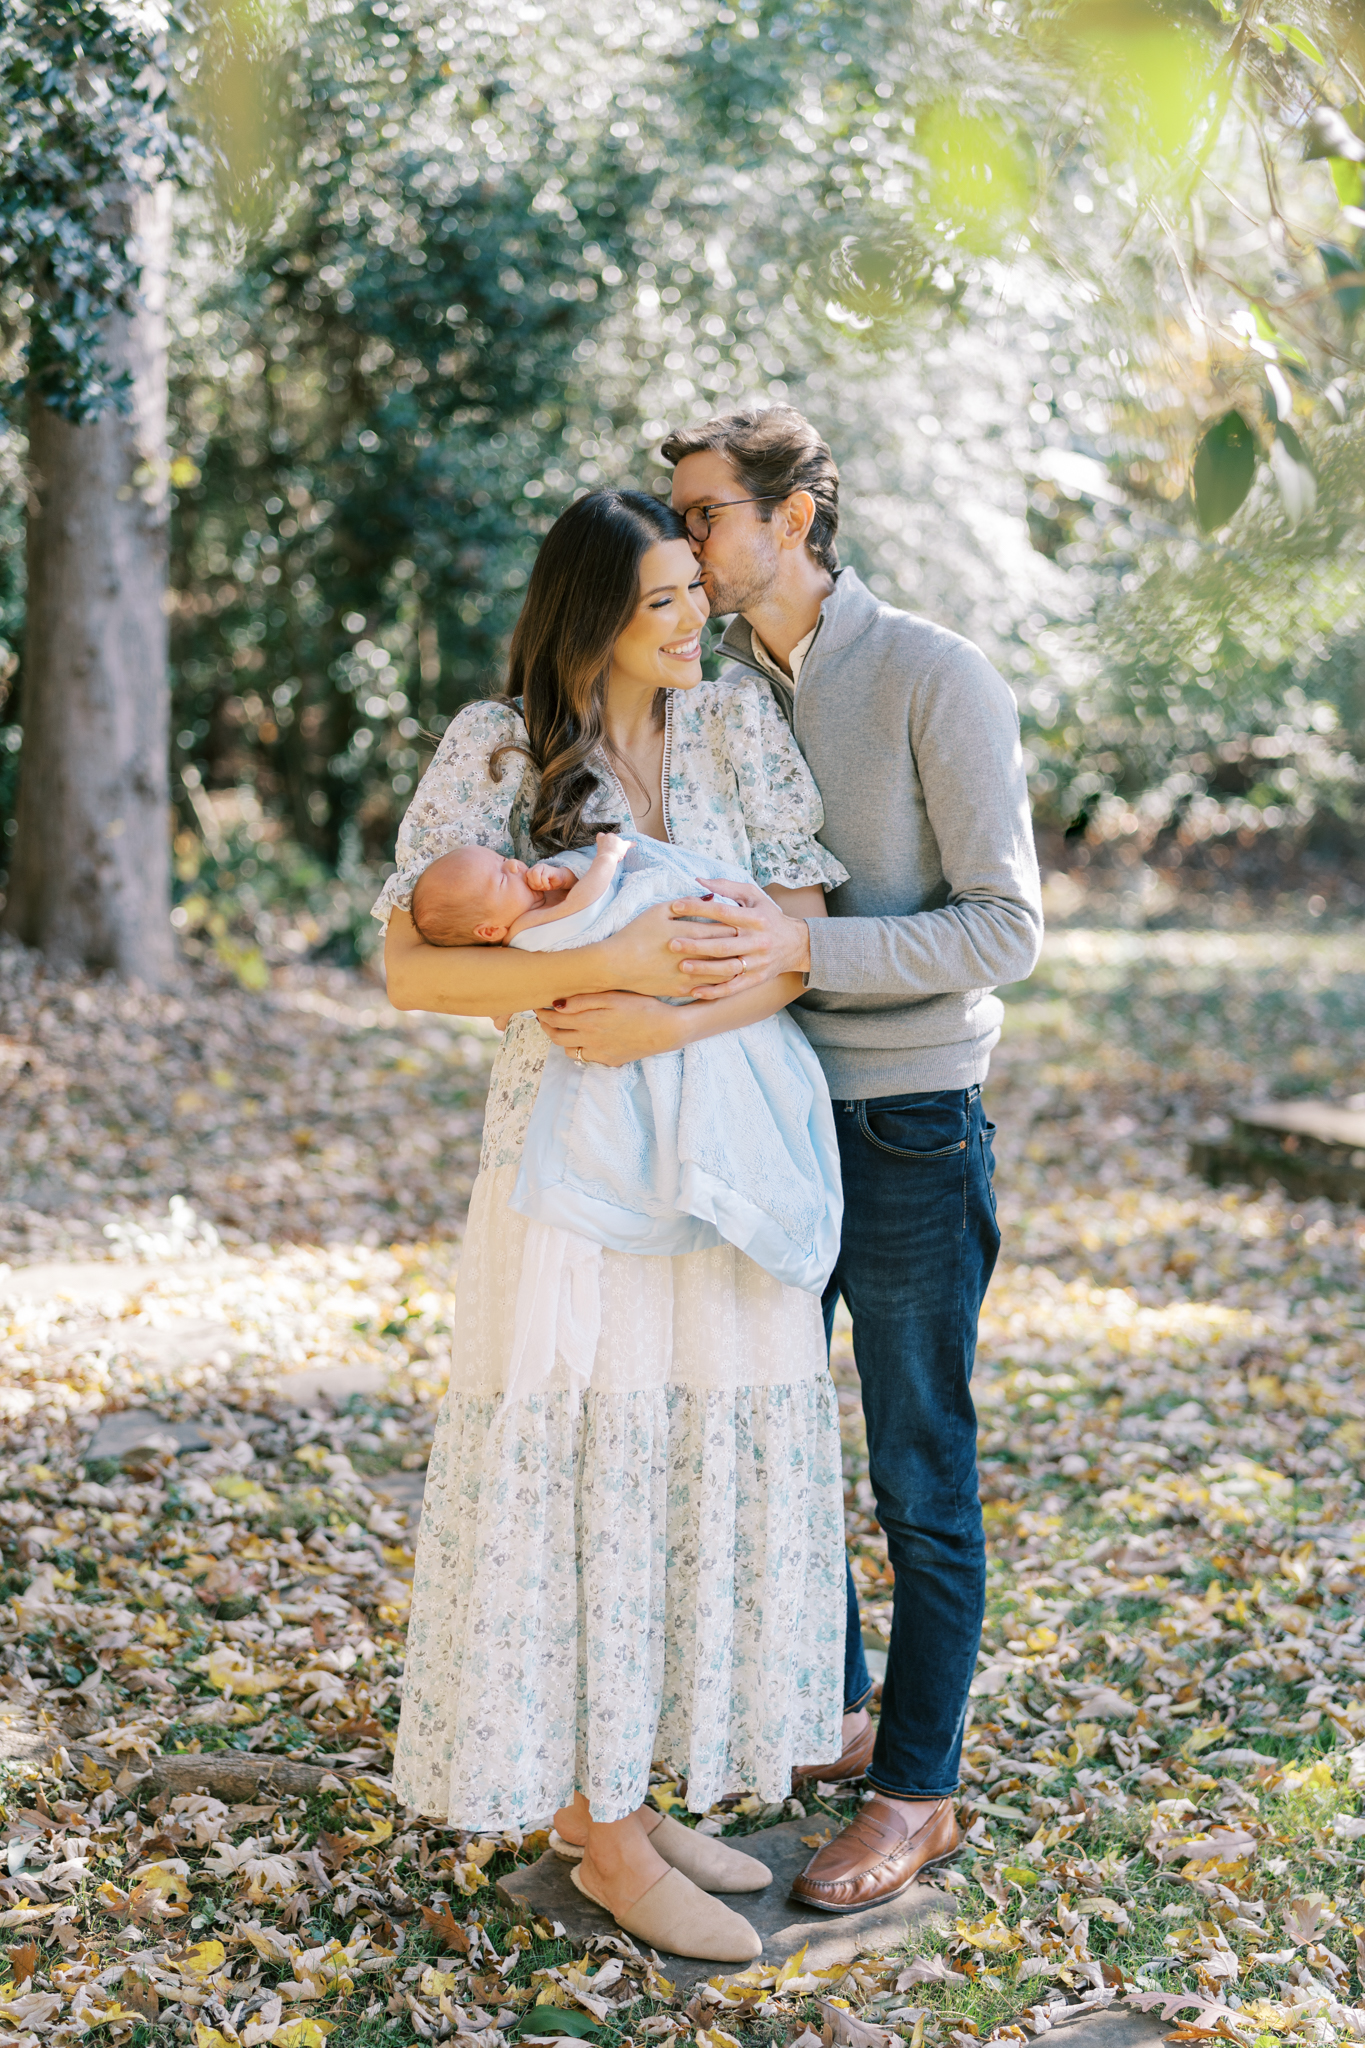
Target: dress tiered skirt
x=651 y=1569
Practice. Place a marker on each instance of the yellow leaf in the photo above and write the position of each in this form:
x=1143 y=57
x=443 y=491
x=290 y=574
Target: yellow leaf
x=989 y=1933
x=228 y=1671
x=380 y=1830
x=1316 y=1774
x=1039 y=1639
x=665 y=1798
x=302 y=2033
x=793 y=1967
x=433 y=1982
x=271 y=1946
x=202 y=1960
x=209 y=2037
x=170 y=1879
x=235 y=1486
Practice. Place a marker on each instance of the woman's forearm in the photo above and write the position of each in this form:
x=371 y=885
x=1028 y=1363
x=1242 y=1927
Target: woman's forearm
x=483 y=981
x=731 y=1013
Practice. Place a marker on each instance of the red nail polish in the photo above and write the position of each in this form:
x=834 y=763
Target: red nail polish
x=560 y=1001
x=708 y=895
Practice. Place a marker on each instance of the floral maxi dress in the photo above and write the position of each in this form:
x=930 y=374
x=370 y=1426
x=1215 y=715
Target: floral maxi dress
x=652 y=1568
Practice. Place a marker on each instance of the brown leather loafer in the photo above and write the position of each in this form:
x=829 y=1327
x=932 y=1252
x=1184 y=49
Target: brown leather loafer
x=876 y=1858
x=851 y=1764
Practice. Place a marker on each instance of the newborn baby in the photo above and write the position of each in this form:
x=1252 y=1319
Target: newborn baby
x=474 y=897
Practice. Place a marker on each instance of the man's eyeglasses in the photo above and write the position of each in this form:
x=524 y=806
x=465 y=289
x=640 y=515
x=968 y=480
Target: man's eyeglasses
x=697 y=518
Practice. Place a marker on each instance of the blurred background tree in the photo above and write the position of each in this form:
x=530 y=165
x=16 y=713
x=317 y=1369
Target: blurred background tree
x=1073 y=289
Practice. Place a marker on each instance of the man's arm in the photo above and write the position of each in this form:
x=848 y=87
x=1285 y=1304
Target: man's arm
x=965 y=739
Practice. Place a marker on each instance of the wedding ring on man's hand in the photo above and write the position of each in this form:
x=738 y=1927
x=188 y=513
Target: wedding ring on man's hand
x=744 y=967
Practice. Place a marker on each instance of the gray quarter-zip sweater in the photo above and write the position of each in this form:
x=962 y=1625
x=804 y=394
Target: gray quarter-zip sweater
x=913 y=740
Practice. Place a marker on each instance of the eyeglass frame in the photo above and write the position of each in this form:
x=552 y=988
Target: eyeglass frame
x=723 y=505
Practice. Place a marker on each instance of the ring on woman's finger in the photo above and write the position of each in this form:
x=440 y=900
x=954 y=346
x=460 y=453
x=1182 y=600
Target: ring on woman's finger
x=743 y=966
x=578 y=1054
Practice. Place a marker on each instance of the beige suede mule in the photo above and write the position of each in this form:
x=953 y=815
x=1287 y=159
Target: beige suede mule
x=712 y=1865
x=676 y=1917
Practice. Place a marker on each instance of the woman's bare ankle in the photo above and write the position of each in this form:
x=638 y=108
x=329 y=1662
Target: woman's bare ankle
x=571 y=1822
x=620 y=1863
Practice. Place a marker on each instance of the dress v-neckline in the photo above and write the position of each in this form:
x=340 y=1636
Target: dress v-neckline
x=664 y=767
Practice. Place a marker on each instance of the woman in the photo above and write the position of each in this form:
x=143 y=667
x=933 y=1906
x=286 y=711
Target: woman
x=655 y=1567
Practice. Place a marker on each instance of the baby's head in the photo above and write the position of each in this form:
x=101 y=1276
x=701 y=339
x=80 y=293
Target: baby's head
x=471 y=897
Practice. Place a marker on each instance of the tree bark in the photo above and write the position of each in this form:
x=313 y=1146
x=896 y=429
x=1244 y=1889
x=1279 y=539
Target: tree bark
x=90 y=870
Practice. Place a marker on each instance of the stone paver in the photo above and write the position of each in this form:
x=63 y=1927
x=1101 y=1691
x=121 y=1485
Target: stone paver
x=401 y=1490
x=103 y=1279
x=128 y=1429
x=335 y=1383
x=545 y=1888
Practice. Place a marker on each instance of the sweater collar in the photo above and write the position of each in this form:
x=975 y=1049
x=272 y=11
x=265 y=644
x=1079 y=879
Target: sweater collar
x=845 y=615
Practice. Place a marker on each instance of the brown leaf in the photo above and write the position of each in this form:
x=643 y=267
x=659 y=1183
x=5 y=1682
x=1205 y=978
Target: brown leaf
x=334 y=1849
x=139 y=1995
x=23 y=1960
x=447 y=1930
x=1304 y=1919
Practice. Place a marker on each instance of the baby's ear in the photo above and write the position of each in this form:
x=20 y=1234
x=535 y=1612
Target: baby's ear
x=490 y=934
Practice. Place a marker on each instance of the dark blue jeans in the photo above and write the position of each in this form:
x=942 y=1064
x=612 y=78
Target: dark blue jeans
x=919 y=1246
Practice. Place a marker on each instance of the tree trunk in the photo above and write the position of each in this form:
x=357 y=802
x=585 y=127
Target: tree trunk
x=90 y=868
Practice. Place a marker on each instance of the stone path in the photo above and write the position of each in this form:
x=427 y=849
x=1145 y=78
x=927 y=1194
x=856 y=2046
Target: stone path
x=545 y=1888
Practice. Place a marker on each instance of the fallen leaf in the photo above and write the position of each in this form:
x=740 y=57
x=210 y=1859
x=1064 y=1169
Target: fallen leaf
x=447 y=1929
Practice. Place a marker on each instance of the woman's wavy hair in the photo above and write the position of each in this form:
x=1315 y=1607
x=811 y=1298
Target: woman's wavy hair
x=583 y=590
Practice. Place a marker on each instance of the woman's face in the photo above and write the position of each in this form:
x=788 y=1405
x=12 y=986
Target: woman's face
x=660 y=649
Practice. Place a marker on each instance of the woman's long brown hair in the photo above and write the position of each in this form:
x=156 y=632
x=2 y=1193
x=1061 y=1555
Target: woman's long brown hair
x=583 y=591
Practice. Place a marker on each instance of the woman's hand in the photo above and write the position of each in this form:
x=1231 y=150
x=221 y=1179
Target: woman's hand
x=755 y=941
x=612 y=1029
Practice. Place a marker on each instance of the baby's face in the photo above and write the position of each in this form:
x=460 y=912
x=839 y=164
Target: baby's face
x=496 y=888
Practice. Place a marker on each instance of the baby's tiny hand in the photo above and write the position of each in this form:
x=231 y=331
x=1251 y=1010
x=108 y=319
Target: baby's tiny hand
x=612 y=843
x=543 y=877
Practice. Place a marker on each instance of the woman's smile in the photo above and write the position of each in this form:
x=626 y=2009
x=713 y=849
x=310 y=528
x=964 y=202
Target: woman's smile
x=683 y=650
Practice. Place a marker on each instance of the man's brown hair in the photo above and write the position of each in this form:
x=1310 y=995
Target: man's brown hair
x=774 y=450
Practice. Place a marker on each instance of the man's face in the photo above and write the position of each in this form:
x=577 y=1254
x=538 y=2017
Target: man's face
x=739 y=559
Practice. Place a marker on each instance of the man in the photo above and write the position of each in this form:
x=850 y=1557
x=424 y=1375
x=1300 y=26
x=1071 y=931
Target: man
x=913 y=740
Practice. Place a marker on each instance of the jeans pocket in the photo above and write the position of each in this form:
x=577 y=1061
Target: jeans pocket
x=921 y=1131
x=988 y=1160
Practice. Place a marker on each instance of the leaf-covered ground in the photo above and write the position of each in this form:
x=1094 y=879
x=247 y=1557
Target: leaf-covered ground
x=1164 y=1772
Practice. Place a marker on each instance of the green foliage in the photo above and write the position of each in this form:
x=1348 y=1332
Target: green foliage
x=83 y=91
x=437 y=272
x=361 y=496
x=1224 y=470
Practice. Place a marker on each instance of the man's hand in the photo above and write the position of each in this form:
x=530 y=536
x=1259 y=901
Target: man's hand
x=753 y=934
x=613 y=1029
x=639 y=956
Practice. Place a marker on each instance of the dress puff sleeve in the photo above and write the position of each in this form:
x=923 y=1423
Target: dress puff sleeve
x=459 y=804
x=782 y=807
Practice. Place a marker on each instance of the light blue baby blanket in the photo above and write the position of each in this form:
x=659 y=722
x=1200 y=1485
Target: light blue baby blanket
x=729 y=1140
